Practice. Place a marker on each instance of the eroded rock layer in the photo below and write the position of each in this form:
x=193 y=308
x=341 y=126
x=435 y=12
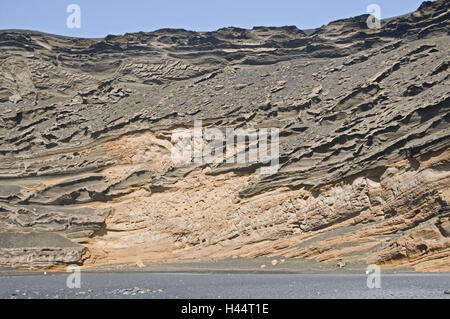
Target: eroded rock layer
x=87 y=176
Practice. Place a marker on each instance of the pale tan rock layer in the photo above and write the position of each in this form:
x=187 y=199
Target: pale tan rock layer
x=391 y=215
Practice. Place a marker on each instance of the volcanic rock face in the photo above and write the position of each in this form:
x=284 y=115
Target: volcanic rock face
x=87 y=176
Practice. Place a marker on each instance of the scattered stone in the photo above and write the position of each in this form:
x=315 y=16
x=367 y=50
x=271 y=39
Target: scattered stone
x=279 y=86
x=139 y=263
x=240 y=86
x=341 y=264
x=131 y=291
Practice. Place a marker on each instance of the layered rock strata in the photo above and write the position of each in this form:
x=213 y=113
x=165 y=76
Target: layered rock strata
x=86 y=127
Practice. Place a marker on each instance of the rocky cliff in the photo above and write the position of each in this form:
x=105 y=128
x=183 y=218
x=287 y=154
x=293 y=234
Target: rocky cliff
x=86 y=173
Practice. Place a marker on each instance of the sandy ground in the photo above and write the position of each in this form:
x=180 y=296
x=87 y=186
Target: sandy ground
x=228 y=266
x=226 y=286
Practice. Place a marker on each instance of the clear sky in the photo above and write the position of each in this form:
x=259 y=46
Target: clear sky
x=102 y=17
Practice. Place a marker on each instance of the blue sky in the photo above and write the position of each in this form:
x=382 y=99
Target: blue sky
x=102 y=17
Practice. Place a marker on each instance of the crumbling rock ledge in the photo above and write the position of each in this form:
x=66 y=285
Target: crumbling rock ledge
x=38 y=251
